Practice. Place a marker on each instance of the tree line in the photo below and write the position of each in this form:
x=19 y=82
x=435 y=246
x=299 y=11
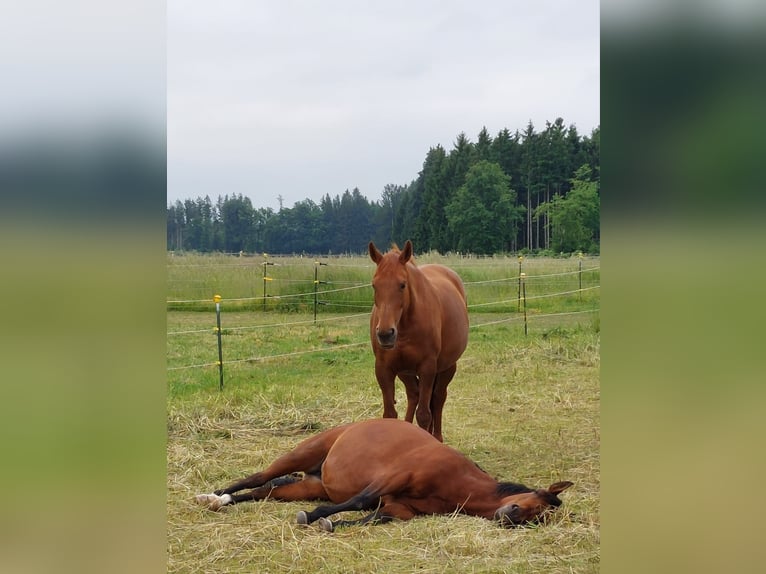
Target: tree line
x=515 y=192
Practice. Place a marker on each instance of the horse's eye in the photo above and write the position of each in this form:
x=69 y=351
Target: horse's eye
x=402 y=286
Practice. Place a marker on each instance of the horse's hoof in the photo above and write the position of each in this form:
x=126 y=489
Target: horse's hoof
x=212 y=501
x=326 y=524
x=302 y=517
x=205 y=499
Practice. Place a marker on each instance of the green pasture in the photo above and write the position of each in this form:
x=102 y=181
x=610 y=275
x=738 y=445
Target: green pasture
x=492 y=283
x=524 y=407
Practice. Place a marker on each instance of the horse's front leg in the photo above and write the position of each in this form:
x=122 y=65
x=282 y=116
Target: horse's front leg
x=386 y=378
x=329 y=525
x=387 y=512
x=365 y=500
x=439 y=397
x=426 y=378
x=411 y=387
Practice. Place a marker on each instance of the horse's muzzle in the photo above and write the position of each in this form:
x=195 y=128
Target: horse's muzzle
x=509 y=515
x=386 y=339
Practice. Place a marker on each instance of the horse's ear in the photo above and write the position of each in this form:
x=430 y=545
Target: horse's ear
x=559 y=486
x=375 y=255
x=406 y=253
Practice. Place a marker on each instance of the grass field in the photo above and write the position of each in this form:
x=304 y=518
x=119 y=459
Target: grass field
x=524 y=407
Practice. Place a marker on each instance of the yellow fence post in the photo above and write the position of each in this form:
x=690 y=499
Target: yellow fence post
x=266 y=279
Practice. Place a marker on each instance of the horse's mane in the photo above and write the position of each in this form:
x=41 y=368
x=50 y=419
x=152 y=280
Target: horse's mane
x=508 y=488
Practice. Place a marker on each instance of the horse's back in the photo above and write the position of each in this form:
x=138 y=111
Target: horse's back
x=387 y=438
x=445 y=280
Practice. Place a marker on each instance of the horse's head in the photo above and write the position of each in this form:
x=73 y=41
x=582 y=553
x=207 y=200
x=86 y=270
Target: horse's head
x=391 y=291
x=530 y=506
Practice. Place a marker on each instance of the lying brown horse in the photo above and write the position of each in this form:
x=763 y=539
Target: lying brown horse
x=393 y=468
x=418 y=329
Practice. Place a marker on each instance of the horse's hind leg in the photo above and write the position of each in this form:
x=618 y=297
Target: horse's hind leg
x=307 y=457
x=286 y=488
x=283 y=488
x=266 y=490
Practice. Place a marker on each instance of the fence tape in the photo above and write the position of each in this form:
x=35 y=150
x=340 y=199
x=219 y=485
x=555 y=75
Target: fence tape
x=366 y=313
x=367 y=342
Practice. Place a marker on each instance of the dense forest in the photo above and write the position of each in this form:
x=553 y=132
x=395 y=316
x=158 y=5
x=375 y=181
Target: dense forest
x=517 y=192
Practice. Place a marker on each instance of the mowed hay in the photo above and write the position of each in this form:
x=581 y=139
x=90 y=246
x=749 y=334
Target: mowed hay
x=525 y=409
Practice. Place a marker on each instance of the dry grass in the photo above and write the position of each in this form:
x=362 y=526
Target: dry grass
x=524 y=408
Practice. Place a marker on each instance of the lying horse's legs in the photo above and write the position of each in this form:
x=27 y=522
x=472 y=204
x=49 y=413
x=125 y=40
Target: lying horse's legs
x=215 y=501
x=307 y=457
x=387 y=512
x=365 y=500
x=439 y=398
x=329 y=526
x=286 y=488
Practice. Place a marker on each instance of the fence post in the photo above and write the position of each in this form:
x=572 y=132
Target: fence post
x=217 y=299
x=521 y=257
x=523 y=279
x=579 y=293
x=317 y=264
x=265 y=280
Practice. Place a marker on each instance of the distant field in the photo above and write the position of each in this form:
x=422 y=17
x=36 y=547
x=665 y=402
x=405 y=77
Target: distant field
x=344 y=281
x=524 y=407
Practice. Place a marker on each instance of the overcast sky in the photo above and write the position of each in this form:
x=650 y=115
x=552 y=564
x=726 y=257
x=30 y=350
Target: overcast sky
x=301 y=99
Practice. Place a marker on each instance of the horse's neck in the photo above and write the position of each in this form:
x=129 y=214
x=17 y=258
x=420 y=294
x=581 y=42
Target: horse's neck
x=481 y=498
x=419 y=288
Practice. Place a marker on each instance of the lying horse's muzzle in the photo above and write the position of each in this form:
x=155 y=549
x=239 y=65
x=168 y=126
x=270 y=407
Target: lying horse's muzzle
x=509 y=515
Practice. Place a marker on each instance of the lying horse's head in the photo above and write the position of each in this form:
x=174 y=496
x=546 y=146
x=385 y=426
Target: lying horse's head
x=391 y=291
x=527 y=505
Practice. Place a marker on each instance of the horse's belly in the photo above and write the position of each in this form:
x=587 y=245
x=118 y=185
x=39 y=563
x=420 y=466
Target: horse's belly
x=375 y=453
x=342 y=481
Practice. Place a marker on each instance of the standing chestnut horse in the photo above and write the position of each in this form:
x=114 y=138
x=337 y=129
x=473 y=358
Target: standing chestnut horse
x=393 y=468
x=419 y=329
